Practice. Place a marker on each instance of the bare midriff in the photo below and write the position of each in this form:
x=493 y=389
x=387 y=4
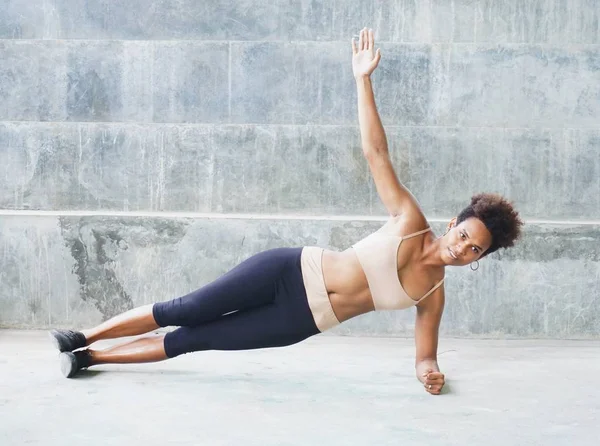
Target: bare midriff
x=346 y=284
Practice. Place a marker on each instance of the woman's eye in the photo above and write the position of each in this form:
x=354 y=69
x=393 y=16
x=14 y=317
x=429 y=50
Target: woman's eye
x=462 y=235
x=475 y=250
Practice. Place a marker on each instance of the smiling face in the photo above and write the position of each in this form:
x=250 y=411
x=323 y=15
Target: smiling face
x=466 y=242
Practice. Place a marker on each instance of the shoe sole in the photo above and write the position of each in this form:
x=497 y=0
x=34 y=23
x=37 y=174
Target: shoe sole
x=68 y=364
x=55 y=342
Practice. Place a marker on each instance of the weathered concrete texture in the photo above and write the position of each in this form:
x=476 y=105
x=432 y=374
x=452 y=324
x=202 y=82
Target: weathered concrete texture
x=190 y=82
x=109 y=81
x=114 y=81
x=505 y=21
x=515 y=86
x=95 y=85
x=21 y=20
x=327 y=390
x=536 y=21
x=295 y=83
x=37 y=280
x=71 y=271
x=32 y=80
x=549 y=174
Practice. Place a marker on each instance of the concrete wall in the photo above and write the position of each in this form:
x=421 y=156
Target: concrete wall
x=122 y=122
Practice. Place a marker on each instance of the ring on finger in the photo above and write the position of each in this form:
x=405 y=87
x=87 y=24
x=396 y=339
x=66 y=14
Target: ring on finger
x=429 y=386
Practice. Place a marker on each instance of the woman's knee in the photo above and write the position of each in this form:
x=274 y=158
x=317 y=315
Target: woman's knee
x=185 y=340
x=160 y=314
x=181 y=311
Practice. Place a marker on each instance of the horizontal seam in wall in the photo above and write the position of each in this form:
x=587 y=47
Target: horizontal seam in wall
x=577 y=45
x=258 y=124
x=226 y=216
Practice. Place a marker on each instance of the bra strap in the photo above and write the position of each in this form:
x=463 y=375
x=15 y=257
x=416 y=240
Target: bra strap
x=431 y=290
x=414 y=234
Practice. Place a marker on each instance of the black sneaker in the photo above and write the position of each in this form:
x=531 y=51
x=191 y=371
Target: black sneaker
x=68 y=340
x=71 y=363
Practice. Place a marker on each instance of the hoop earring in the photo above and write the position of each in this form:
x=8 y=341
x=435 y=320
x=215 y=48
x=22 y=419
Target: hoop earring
x=471 y=266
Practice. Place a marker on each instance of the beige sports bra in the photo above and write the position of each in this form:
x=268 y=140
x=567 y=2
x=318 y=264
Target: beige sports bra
x=378 y=256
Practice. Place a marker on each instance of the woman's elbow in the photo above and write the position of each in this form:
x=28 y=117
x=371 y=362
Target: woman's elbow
x=375 y=153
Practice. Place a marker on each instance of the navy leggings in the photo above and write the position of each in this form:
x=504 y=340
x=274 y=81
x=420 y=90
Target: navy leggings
x=260 y=303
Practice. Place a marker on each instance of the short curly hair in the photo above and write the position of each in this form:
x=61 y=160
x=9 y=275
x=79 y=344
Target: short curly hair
x=499 y=217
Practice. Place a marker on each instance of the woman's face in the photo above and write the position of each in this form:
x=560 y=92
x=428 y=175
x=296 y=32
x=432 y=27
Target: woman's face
x=466 y=242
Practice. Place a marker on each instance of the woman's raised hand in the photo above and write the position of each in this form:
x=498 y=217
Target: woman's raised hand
x=364 y=57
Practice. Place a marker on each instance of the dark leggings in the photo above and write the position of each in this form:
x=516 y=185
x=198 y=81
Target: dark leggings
x=260 y=303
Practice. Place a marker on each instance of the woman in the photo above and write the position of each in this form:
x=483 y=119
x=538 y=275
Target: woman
x=283 y=296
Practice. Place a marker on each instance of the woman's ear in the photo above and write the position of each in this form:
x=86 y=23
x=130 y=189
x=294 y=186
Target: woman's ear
x=451 y=224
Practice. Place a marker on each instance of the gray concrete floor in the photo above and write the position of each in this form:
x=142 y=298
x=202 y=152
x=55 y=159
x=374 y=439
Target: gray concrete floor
x=326 y=391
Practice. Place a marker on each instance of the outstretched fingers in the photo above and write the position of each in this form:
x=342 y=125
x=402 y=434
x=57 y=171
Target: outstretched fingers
x=360 y=40
x=366 y=41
